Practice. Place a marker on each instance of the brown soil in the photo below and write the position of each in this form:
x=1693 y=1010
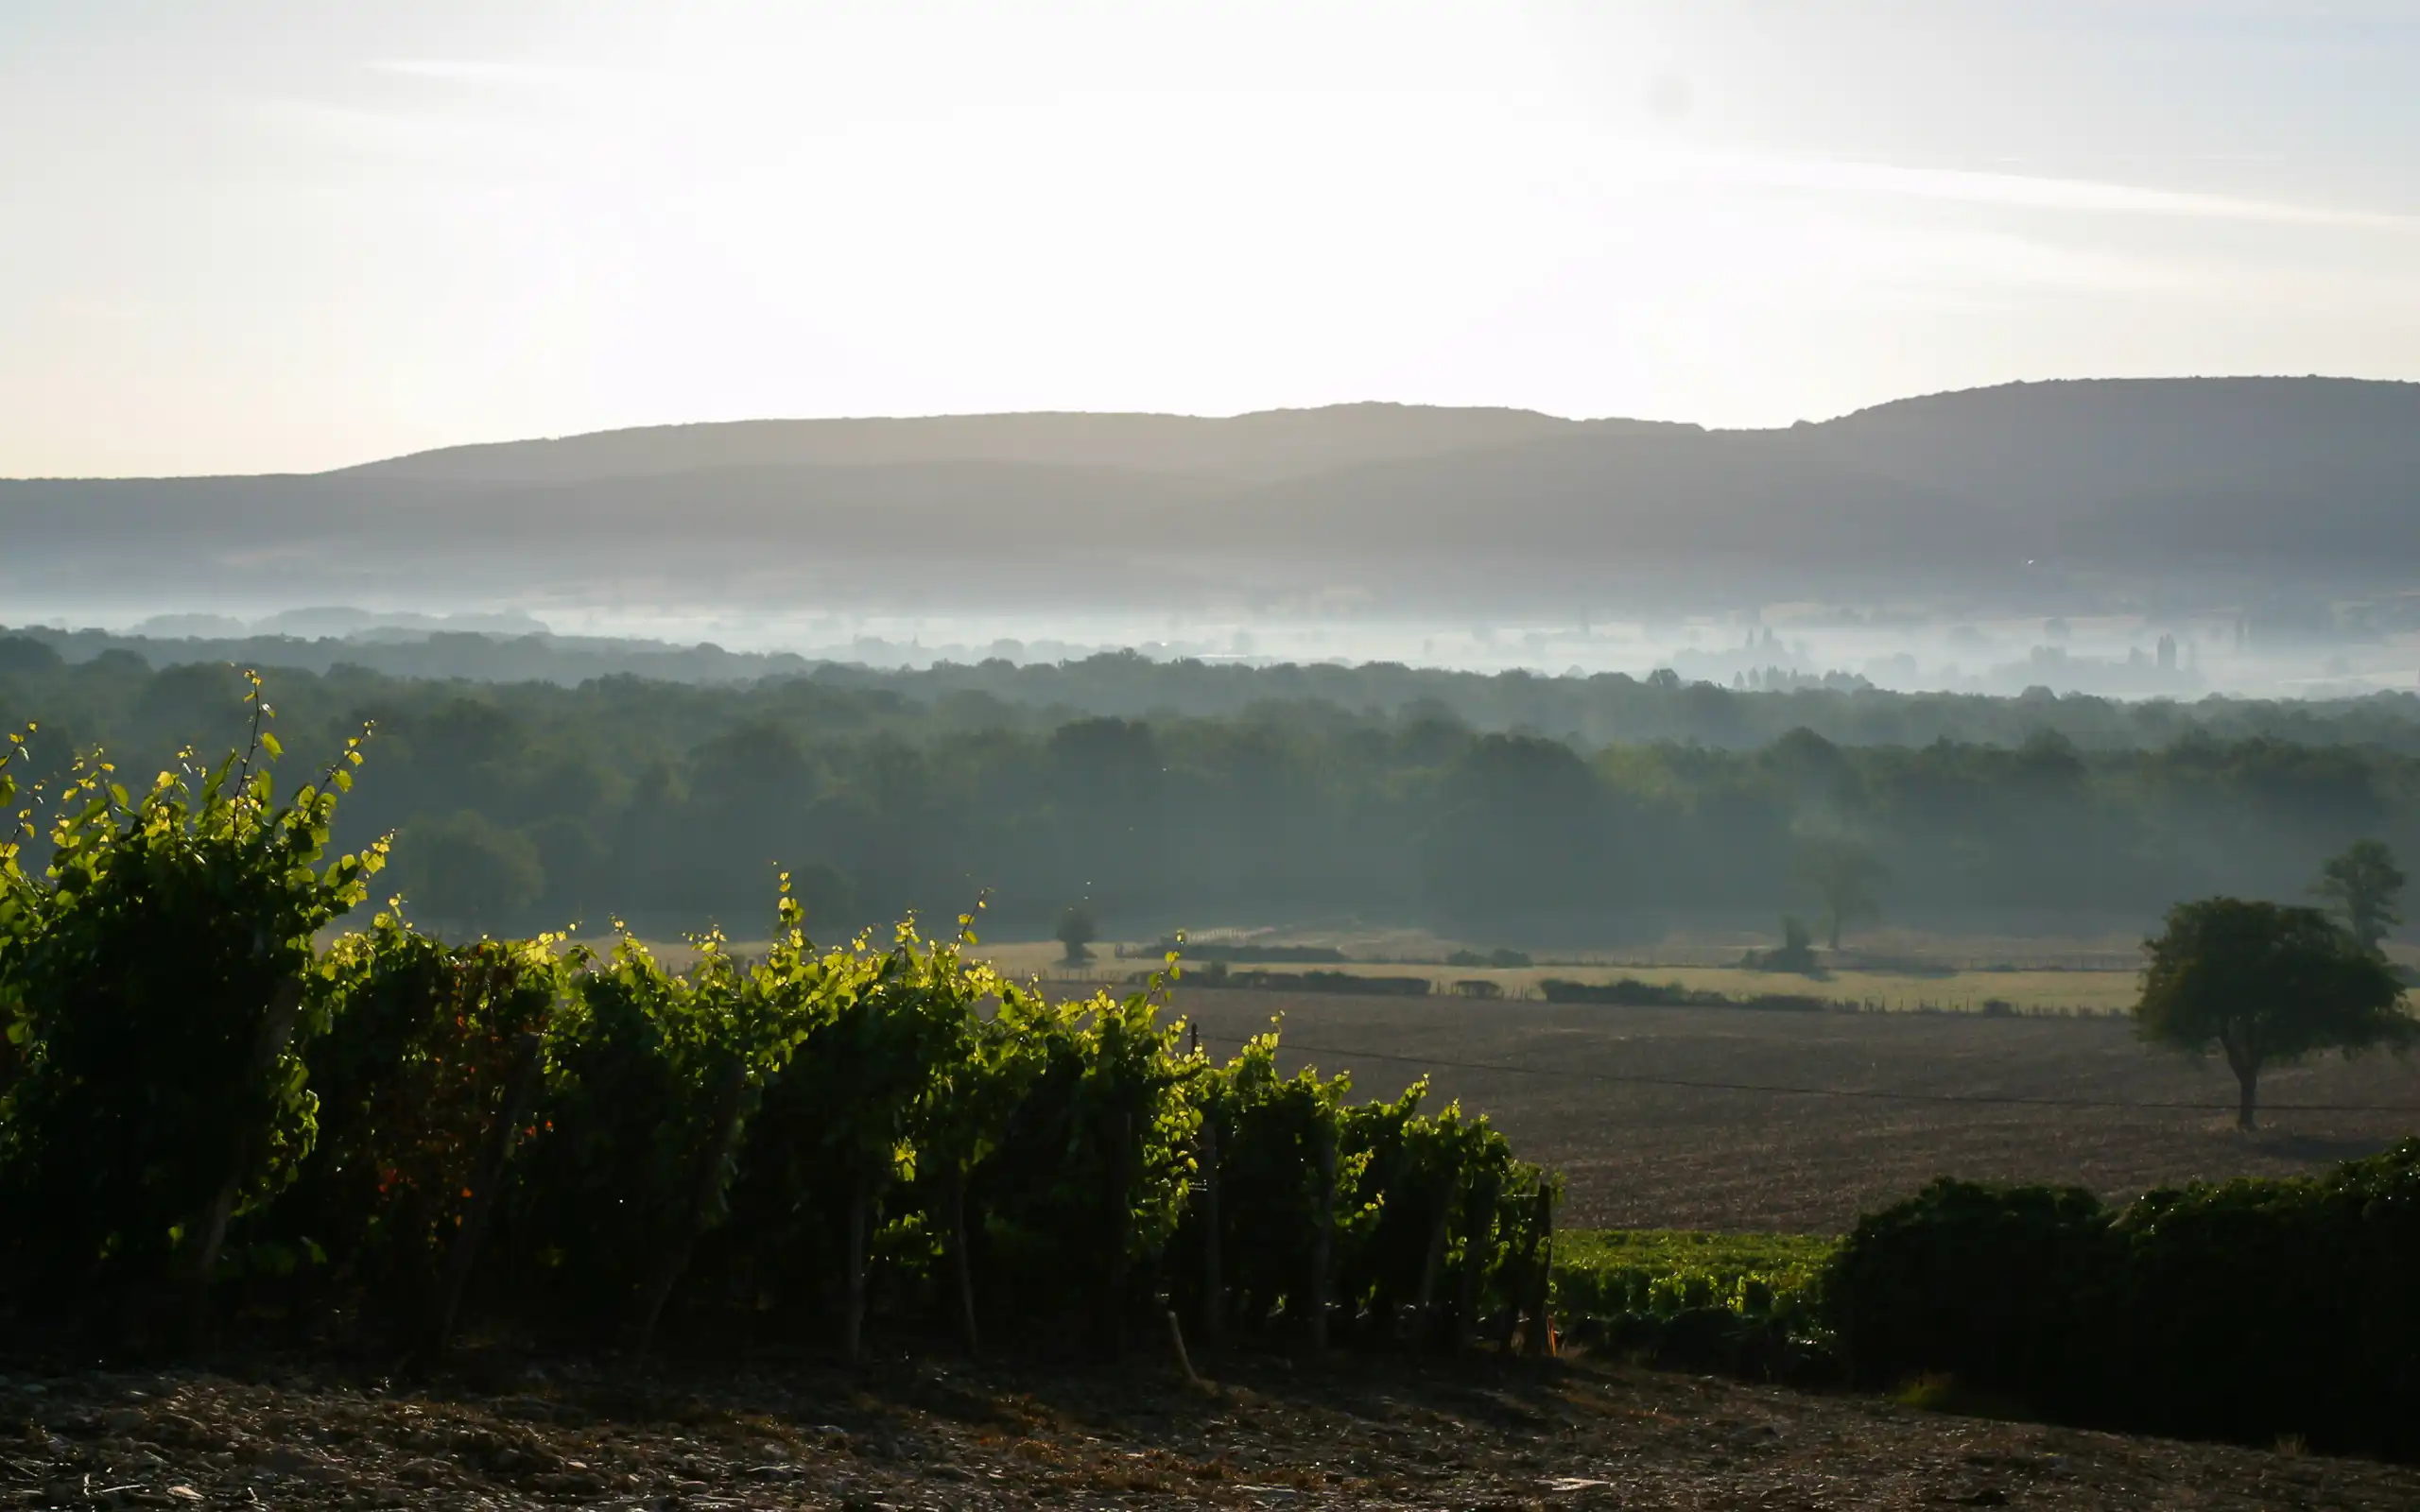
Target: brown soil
x=1653 y=1155
x=1350 y=1433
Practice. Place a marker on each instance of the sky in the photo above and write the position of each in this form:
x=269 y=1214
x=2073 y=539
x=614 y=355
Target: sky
x=268 y=236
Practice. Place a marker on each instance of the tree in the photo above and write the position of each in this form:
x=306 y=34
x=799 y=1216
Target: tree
x=1796 y=952
x=469 y=872
x=1076 y=932
x=1843 y=874
x=2267 y=983
x=2366 y=884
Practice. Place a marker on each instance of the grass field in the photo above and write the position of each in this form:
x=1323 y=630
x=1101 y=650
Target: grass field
x=2027 y=991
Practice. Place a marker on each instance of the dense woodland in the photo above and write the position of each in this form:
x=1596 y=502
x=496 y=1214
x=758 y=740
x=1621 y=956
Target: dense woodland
x=1606 y=709
x=1535 y=809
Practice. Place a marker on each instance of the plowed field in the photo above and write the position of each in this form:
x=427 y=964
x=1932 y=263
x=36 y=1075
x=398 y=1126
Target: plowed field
x=1590 y=1091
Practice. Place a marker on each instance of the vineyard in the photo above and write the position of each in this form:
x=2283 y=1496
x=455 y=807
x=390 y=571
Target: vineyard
x=220 y=1120
x=210 y=1121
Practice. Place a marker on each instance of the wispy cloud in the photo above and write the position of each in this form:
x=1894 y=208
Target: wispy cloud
x=2013 y=191
x=491 y=72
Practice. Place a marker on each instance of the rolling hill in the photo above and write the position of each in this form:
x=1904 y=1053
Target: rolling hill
x=2171 y=489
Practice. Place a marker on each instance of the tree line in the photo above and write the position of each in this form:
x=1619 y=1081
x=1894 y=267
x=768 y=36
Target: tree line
x=1611 y=708
x=524 y=806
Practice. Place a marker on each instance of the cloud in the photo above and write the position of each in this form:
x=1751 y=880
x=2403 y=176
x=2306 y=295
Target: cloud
x=2015 y=191
x=491 y=72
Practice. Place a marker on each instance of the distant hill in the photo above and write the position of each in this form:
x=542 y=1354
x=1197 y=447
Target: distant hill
x=2174 y=488
x=1270 y=445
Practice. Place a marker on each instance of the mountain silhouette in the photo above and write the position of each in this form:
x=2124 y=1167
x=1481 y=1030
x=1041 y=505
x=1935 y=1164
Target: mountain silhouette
x=2166 y=487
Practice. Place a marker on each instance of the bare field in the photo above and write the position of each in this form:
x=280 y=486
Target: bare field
x=1703 y=1157
x=929 y=1436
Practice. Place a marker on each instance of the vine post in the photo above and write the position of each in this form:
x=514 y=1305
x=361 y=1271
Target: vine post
x=1214 y=1299
x=1478 y=1246
x=1538 y=1343
x=1322 y=1233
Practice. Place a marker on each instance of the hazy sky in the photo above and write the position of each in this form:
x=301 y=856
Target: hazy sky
x=250 y=236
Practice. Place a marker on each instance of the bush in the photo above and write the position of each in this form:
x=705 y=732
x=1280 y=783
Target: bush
x=2268 y=1308
x=154 y=978
x=2249 y=1311
x=846 y=1133
x=428 y=1064
x=2009 y=1290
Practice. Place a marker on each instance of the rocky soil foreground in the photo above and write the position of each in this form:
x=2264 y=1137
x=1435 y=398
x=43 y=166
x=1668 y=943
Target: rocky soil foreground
x=1356 y=1433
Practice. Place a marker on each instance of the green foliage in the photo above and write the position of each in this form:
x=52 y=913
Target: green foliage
x=1090 y=1175
x=1412 y=1176
x=2366 y=884
x=1076 y=933
x=1229 y=793
x=2251 y=1310
x=1844 y=875
x=887 y=1038
x=650 y=1075
x=465 y=867
x=18 y=913
x=1501 y=958
x=419 y=1051
x=1739 y=1304
x=2009 y=1290
x=1610 y=1271
x=153 y=973
x=1795 y=954
x=883 y=1124
x=1271 y=1133
x=2267 y=985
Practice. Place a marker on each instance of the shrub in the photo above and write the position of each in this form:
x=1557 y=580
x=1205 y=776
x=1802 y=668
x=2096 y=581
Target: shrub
x=154 y=980
x=2250 y=1310
x=2007 y=1289
x=427 y=1063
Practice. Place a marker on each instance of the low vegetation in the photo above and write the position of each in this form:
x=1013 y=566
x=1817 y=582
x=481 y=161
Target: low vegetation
x=215 y=1118
x=2247 y=1310
x=207 y=1117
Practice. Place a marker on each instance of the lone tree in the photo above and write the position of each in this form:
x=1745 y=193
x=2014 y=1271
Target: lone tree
x=2366 y=884
x=1077 y=931
x=2268 y=985
x=1843 y=874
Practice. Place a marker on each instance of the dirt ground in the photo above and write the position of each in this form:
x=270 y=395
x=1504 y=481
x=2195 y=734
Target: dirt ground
x=910 y=1436
x=1641 y=1155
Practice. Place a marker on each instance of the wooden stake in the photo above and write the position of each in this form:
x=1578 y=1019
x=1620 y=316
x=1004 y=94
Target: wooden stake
x=1214 y=1290
x=1539 y=1342
x=962 y=1263
x=1433 y=1264
x=1478 y=1247
x=1184 y=1361
x=852 y=1325
x=1323 y=1236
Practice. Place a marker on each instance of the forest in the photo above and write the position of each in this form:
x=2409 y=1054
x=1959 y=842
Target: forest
x=519 y=806
x=1600 y=710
